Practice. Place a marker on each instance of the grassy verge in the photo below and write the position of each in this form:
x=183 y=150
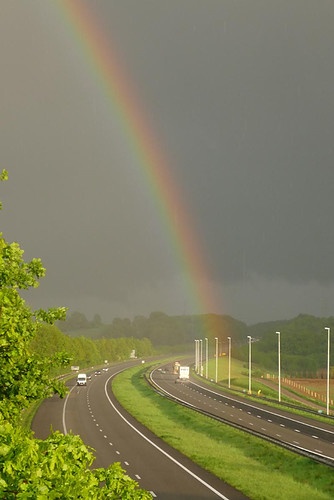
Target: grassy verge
x=260 y=390
x=258 y=469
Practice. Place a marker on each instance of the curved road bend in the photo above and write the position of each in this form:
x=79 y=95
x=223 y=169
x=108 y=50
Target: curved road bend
x=94 y=414
x=279 y=424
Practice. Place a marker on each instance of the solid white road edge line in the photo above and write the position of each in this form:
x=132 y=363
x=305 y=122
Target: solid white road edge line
x=220 y=495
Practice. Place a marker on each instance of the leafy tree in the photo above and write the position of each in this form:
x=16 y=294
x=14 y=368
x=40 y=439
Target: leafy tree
x=24 y=376
x=58 y=467
x=121 y=327
x=75 y=321
x=97 y=322
x=84 y=351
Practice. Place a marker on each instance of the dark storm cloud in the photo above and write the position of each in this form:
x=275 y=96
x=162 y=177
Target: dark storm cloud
x=240 y=95
x=249 y=86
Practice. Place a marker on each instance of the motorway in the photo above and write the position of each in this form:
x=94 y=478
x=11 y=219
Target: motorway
x=93 y=413
x=299 y=433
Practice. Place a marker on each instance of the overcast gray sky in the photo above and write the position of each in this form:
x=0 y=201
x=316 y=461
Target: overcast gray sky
x=240 y=97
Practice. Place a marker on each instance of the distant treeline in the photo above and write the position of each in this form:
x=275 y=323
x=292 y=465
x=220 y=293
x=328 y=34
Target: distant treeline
x=303 y=339
x=159 y=328
x=84 y=351
x=303 y=346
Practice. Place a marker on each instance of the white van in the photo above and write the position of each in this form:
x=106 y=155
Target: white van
x=82 y=379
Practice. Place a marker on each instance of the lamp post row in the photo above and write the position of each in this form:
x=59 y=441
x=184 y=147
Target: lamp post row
x=199 y=358
x=199 y=362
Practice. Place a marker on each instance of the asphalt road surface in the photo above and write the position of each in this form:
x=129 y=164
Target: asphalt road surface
x=92 y=412
x=295 y=431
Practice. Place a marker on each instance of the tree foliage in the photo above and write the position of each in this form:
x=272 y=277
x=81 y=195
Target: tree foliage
x=85 y=351
x=57 y=467
x=60 y=466
x=24 y=375
x=303 y=346
x=303 y=338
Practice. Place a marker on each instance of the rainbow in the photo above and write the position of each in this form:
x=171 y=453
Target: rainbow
x=101 y=59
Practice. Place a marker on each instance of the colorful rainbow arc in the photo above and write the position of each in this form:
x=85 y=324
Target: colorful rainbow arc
x=97 y=48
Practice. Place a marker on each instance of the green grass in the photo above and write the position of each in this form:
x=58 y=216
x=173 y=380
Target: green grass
x=257 y=468
x=240 y=381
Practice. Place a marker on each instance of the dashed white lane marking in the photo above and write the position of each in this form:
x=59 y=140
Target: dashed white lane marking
x=105 y=437
x=188 y=471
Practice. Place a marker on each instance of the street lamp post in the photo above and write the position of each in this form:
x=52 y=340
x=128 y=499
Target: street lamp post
x=196 y=355
x=328 y=366
x=249 y=364
x=201 y=358
x=206 y=357
x=279 y=365
x=216 y=378
x=229 y=362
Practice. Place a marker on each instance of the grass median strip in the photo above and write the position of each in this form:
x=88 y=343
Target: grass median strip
x=257 y=468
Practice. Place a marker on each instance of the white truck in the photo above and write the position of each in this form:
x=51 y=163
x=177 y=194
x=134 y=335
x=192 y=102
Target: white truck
x=183 y=372
x=82 y=379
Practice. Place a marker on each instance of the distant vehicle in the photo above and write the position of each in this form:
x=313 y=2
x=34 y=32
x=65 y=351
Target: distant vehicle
x=82 y=379
x=176 y=367
x=183 y=372
x=97 y=372
x=89 y=377
x=105 y=369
